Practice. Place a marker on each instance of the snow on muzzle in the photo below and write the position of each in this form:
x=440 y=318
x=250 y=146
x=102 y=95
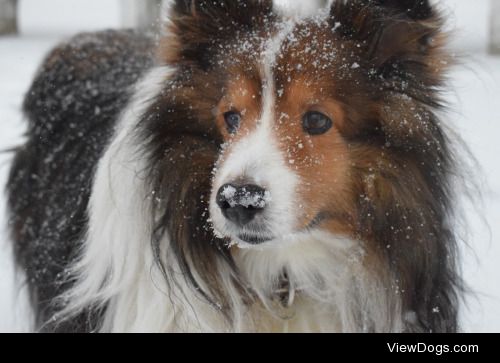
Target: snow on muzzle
x=241 y=204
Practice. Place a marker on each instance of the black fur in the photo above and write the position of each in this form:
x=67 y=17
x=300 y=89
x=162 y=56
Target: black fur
x=71 y=108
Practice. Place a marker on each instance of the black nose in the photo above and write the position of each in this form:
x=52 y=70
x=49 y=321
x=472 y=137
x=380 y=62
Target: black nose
x=240 y=204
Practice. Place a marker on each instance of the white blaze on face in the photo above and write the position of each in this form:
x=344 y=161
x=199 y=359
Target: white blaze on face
x=257 y=159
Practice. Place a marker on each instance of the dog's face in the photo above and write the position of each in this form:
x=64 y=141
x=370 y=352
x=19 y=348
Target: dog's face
x=284 y=169
x=306 y=110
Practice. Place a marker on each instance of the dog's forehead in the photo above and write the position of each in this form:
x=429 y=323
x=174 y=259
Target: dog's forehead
x=311 y=50
x=306 y=49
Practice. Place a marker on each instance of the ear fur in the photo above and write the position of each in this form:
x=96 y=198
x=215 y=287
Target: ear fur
x=392 y=32
x=197 y=27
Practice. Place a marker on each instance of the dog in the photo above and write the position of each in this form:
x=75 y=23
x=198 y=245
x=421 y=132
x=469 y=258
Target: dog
x=250 y=170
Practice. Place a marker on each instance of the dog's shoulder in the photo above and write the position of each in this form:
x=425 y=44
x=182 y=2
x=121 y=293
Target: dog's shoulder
x=86 y=78
x=72 y=107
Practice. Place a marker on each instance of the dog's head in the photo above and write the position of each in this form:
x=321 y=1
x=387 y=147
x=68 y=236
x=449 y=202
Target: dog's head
x=274 y=128
x=319 y=117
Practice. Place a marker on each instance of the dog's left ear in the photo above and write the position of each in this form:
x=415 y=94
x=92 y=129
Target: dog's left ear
x=197 y=27
x=390 y=31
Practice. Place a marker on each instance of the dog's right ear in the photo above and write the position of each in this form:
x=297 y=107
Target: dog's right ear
x=197 y=27
x=398 y=36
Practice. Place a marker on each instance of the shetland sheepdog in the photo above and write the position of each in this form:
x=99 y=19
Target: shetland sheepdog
x=248 y=170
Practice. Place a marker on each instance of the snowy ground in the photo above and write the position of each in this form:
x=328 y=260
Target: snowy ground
x=476 y=116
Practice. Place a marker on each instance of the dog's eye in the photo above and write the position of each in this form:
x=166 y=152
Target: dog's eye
x=233 y=121
x=316 y=123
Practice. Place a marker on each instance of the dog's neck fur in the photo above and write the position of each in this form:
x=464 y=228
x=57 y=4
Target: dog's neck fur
x=332 y=289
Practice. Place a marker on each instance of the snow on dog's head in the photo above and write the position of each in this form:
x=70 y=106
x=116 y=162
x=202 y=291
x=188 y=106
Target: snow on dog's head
x=323 y=116
x=303 y=106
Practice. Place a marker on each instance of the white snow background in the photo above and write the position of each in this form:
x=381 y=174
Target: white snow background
x=475 y=99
